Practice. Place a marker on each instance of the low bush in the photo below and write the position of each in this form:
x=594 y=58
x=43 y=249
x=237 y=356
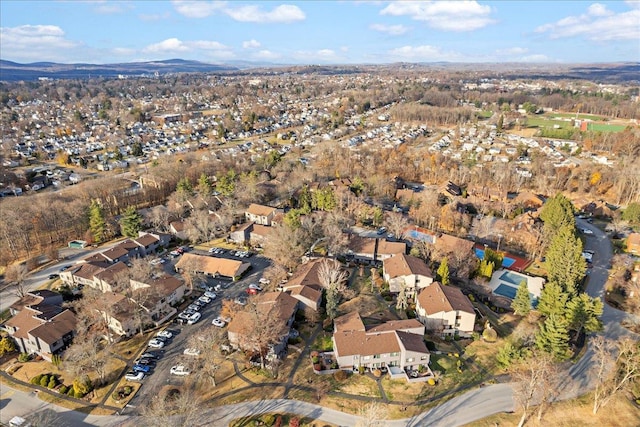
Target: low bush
x=52 y=383
x=377 y=373
x=70 y=391
x=63 y=389
x=278 y=421
x=36 y=380
x=431 y=381
x=317 y=366
x=24 y=357
x=44 y=381
x=340 y=375
x=315 y=360
x=269 y=419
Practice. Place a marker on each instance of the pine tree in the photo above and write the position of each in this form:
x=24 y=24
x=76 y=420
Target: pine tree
x=521 y=304
x=184 y=187
x=583 y=313
x=204 y=185
x=564 y=262
x=131 y=222
x=553 y=300
x=443 y=272
x=553 y=337
x=97 y=225
x=556 y=213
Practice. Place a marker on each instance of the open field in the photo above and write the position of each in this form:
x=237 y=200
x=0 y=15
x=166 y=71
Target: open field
x=573 y=116
x=604 y=127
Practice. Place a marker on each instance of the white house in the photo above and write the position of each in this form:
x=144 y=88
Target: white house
x=445 y=309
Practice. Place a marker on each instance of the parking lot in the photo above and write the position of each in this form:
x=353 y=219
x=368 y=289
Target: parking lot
x=172 y=352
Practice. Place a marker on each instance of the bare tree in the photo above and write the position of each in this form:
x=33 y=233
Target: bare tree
x=372 y=415
x=262 y=329
x=178 y=407
x=402 y=300
x=86 y=355
x=333 y=280
x=17 y=274
x=208 y=343
x=531 y=383
x=397 y=224
x=617 y=366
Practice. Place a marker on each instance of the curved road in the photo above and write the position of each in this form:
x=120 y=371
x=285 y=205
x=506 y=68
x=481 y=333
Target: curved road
x=473 y=405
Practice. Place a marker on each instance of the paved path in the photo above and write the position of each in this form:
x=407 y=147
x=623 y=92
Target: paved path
x=474 y=404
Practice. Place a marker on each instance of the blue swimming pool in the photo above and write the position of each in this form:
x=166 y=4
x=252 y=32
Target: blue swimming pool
x=505 y=291
x=513 y=278
x=506 y=261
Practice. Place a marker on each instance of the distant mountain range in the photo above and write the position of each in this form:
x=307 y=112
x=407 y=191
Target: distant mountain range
x=13 y=71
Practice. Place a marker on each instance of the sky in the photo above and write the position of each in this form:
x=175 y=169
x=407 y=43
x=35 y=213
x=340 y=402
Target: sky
x=320 y=32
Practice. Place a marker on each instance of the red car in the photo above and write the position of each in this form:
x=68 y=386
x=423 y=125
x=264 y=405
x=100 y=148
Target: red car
x=251 y=291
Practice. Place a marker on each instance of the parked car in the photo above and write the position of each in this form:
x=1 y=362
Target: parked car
x=218 y=322
x=240 y=301
x=205 y=299
x=264 y=281
x=146 y=362
x=255 y=286
x=251 y=291
x=150 y=355
x=179 y=370
x=65 y=267
x=141 y=368
x=191 y=352
x=134 y=376
x=165 y=334
x=53 y=276
x=194 y=307
x=210 y=294
x=587 y=231
x=194 y=318
x=382 y=230
x=156 y=343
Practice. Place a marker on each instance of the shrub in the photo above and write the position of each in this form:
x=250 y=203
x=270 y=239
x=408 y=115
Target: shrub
x=315 y=360
x=334 y=365
x=489 y=335
x=269 y=419
x=314 y=353
x=278 y=421
x=340 y=375
x=36 y=380
x=81 y=385
x=78 y=394
x=471 y=298
x=70 y=391
x=317 y=366
x=294 y=422
x=44 y=381
x=63 y=389
x=377 y=373
x=361 y=370
x=52 y=383
x=6 y=345
x=24 y=357
x=128 y=390
x=431 y=381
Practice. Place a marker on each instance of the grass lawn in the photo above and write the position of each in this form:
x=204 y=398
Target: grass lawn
x=401 y=390
x=121 y=403
x=536 y=268
x=541 y=122
x=323 y=342
x=573 y=116
x=360 y=385
x=604 y=127
x=484 y=354
x=621 y=412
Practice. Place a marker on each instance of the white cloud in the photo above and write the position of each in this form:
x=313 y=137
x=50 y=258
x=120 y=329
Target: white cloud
x=393 y=30
x=321 y=55
x=112 y=8
x=266 y=55
x=598 y=24
x=598 y=9
x=251 y=44
x=464 y=15
x=197 y=9
x=423 y=53
x=174 y=45
x=511 y=51
x=284 y=13
x=35 y=43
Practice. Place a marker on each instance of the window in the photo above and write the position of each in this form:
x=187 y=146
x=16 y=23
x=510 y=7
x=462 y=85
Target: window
x=424 y=357
x=366 y=357
x=409 y=359
x=396 y=354
x=376 y=356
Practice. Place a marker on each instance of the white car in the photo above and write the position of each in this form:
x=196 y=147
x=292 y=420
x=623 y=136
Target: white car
x=191 y=352
x=213 y=250
x=255 y=286
x=219 y=322
x=193 y=307
x=205 y=299
x=179 y=370
x=134 y=376
x=264 y=281
x=194 y=318
x=210 y=294
x=165 y=334
x=154 y=343
x=587 y=231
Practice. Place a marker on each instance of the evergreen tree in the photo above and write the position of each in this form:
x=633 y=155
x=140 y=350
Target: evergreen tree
x=305 y=200
x=136 y=149
x=226 y=185
x=564 y=262
x=521 y=304
x=184 y=186
x=553 y=300
x=583 y=313
x=553 y=337
x=443 y=272
x=632 y=213
x=556 y=213
x=97 y=225
x=131 y=222
x=204 y=185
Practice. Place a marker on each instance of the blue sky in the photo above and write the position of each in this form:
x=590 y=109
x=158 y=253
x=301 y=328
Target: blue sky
x=320 y=32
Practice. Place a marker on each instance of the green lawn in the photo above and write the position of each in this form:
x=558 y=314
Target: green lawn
x=542 y=122
x=573 y=116
x=603 y=127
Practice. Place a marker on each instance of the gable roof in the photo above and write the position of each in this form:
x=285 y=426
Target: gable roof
x=260 y=210
x=213 y=265
x=405 y=265
x=46 y=322
x=448 y=243
x=361 y=245
x=437 y=298
x=386 y=247
x=146 y=240
x=349 y=322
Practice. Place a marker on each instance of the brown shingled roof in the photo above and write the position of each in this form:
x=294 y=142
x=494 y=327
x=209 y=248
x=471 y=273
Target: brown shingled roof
x=349 y=322
x=437 y=298
x=390 y=248
x=213 y=265
x=260 y=210
x=55 y=328
x=405 y=265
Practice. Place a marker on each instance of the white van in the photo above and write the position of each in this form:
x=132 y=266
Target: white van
x=18 y=422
